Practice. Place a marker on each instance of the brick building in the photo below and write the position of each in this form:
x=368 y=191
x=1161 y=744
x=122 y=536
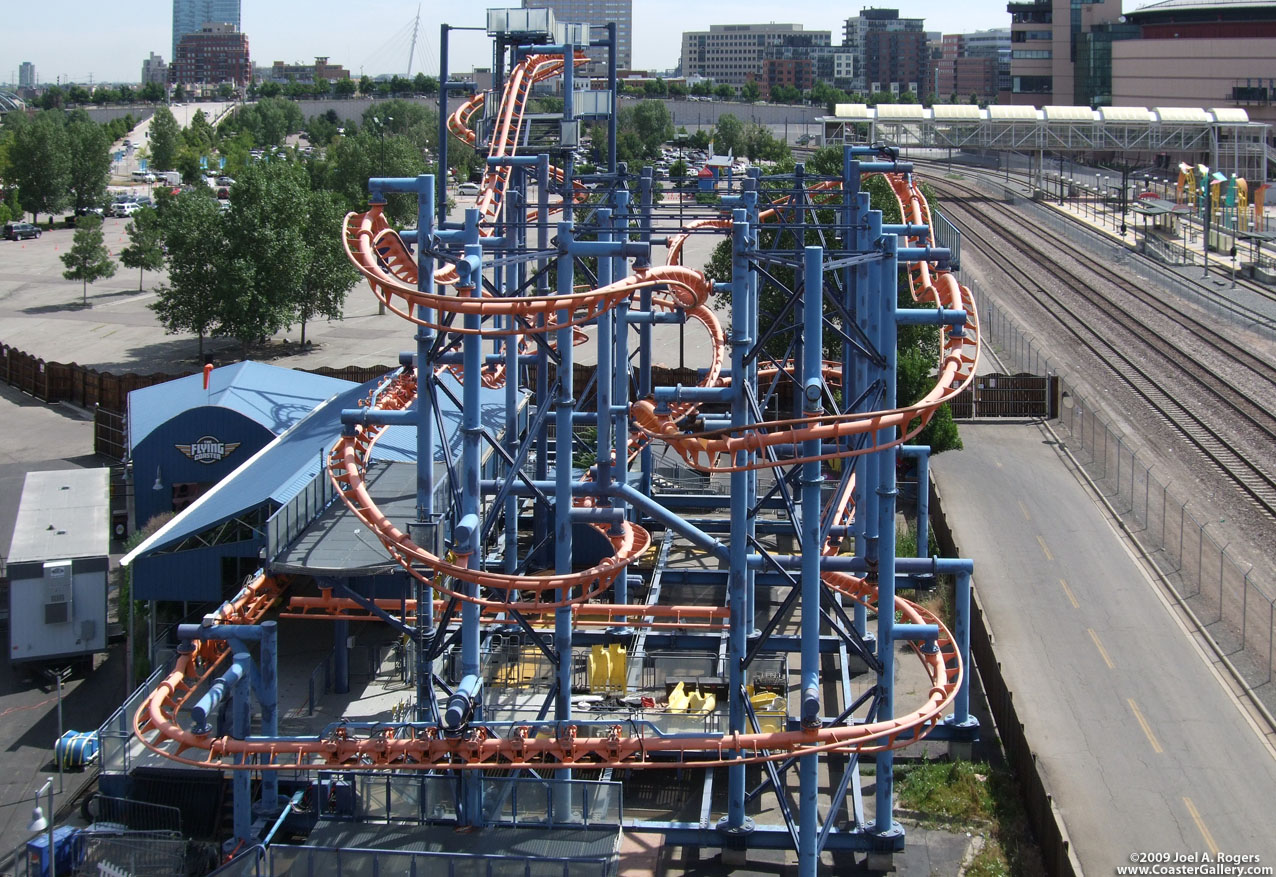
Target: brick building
x=215 y=53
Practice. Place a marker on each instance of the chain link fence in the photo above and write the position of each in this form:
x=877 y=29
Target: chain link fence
x=1232 y=600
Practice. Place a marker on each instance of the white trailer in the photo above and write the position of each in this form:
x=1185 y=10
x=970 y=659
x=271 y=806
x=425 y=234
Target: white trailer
x=58 y=564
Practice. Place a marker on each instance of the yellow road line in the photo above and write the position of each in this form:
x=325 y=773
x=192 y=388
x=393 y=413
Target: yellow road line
x=1104 y=654
x=1071 y=597
x=1044 y=549
x=1147 y=729
x=1023 y=508
x=1200 y=826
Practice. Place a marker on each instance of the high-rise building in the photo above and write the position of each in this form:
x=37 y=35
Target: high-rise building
x=1045 y=37
x=736 y=53
x=890 y=52
x=973 y=64
x=597 y=13
x=190 y=15
x=213 y=54
x=26 y=75
x=154 y=70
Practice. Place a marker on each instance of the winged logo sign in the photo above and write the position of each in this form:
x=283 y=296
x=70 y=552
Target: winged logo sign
x=208 y=449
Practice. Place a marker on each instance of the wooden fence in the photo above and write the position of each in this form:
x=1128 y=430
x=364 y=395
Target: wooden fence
x=998 y=395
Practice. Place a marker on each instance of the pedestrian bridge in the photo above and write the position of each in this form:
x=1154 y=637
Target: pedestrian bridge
x=1223 y=138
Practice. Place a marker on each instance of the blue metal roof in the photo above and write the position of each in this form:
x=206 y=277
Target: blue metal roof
x=281 y=469
x=269 y=395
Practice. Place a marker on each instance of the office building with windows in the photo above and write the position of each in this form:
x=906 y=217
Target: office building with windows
x=890 y=52
x=597 y=14
x=191 y=15
x=737 y=53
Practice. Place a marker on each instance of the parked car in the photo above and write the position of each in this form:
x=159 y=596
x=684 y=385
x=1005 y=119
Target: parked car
x=20 y=231
x=469 y=189
x=124 y=209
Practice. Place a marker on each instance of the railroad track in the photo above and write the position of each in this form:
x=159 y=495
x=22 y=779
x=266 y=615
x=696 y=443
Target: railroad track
x=1155 y=374
x=1218 y=272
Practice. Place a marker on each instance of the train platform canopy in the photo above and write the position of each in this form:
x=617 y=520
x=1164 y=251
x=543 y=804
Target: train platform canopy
x=1225 y=136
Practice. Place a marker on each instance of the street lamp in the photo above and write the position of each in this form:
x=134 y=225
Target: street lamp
x=40 y=822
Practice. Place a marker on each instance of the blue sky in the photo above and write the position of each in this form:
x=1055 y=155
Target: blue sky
x=78 y=38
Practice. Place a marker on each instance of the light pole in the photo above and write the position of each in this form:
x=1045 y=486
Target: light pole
x=57 y=676
x=39 y=822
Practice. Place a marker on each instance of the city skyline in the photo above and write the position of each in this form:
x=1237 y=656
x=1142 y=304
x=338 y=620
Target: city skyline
x=101 y=43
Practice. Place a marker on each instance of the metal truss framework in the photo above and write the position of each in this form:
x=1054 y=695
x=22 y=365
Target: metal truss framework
x=797 y=408
x=1231 y=141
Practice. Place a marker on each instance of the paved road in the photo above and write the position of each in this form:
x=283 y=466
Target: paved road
x=1141 y=742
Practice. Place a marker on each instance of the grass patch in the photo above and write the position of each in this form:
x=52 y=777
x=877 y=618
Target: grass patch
x=972 y=796
x=955 y=792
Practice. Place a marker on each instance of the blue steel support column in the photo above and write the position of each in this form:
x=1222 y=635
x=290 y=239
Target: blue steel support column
x=751 y=306
x=884 y=304
x=854 y=365
x=606 y=349
x=961 y=716
x=621 y=372
x=736 y=822
x=471 y=432
x=514 y=275
x=269 y=696
x=563 y=504
x=611 y=85
x=340 y=656
x=811 y=713
x=425 y=337
x=799 y=235
x=241 y=713
x=645 y=457
x=923 y=501
x=540 y=516
x=441 y=168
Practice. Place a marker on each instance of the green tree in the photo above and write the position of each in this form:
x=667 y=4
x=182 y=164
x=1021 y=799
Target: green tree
x=269 y=205
x=750 y=91
x=725 y=91
x=677 y=89
x=194 y=236
x=353 y=159
x=728 y=135
x=54 y=98
x=344 y=87
x=225 y=91
x=89 y=162
x=270 y=88
x=78 y=95
x=327 y=275
x=365 y=86
x=151 y=92
x=165 y=139
x=761 y=145
x=426 y=85
x=145 y=251
x=179 y=92
x=88 y=259
x=39 y=161
x=199 y=134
